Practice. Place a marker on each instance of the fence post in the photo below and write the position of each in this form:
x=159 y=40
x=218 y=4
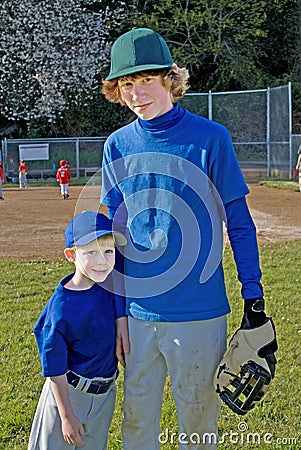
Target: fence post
x=290 y=128
x=268 y=134
x=210 y=105
x=77 y=157
x=4 y=149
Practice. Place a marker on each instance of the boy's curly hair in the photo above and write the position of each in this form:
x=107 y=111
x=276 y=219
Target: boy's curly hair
x=174 y=79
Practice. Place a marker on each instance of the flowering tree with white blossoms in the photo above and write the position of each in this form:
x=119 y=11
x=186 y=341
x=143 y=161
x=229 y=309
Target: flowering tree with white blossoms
x=50 y=54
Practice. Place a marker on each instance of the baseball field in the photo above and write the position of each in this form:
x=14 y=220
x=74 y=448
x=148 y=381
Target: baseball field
x=32 y=223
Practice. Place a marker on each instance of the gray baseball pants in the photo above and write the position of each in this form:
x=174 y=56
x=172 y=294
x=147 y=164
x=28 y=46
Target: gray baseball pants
x=189 y=352
x=94 y=411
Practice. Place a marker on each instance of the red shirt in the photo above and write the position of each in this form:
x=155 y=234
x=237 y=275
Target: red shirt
x=63 y=175
x=1 y=174
x=23 y=168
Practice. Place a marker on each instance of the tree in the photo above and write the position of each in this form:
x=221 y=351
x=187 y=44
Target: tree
x=221 y=41
x=50 y=54
x=53 y=55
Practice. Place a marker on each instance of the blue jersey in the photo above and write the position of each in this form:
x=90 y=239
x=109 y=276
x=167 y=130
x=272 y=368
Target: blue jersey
x=76 y=331
x=171 y=178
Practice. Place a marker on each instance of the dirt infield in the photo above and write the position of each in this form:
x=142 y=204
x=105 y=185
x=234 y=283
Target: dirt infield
x=33 y=220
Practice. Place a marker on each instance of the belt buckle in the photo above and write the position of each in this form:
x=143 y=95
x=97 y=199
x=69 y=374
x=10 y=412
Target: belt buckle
x=100 y=387
x=103 y=388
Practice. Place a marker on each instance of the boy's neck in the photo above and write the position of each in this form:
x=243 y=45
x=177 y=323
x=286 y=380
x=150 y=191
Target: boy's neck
x=79 y=283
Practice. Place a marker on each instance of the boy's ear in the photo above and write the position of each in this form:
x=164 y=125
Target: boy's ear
x=69 y=254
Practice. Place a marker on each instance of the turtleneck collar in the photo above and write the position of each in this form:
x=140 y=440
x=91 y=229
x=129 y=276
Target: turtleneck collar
x=165 y=121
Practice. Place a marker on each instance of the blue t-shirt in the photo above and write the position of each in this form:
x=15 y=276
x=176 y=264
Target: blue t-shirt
x=76 y=331
x=169 y=179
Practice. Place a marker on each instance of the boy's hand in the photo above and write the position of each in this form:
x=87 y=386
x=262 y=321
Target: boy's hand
x=72 y=430
x=122 y=339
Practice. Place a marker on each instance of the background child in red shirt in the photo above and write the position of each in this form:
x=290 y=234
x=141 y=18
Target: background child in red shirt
x=23 y=171
x=63 y=177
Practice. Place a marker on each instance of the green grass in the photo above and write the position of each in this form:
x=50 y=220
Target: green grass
x=79 y=181
x=25 y=288
x=289 y=185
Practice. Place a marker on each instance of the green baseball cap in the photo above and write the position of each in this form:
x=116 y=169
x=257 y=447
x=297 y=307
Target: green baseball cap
x=138 y=50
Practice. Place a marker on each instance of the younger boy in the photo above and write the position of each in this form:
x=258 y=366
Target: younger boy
x=63 y=177
x=76 y=339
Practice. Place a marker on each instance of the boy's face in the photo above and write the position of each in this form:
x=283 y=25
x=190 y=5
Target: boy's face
x=95 y=260
x=145 y=96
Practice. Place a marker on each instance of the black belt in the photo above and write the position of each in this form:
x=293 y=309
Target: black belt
x=96 y=386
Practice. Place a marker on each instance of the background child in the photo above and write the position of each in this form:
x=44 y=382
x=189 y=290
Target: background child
x=76 y=339
x=23 y=171
x=63 y=177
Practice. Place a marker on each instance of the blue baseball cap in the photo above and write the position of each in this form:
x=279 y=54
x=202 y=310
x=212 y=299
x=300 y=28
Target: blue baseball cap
x=88 y=226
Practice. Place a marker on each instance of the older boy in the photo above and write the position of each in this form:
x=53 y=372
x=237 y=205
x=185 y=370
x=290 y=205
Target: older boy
x=76 y=338
x=172 y=177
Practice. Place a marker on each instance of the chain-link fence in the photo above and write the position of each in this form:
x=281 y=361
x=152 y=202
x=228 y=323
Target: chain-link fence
x=260 y=122
x=84 y=156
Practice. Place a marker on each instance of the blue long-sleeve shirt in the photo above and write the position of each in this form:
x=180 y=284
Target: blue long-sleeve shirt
x=173 y=181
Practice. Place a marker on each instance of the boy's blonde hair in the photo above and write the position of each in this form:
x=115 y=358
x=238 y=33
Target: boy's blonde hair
x=106 y=237
x=175 y=80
